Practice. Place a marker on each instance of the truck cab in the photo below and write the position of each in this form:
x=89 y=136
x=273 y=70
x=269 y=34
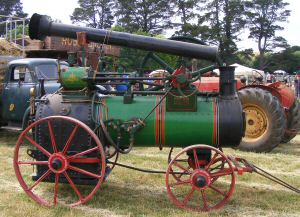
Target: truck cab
x=20 y=76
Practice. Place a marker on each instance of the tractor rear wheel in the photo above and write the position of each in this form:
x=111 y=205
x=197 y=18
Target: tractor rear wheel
x=265 y=120
x=293 y=122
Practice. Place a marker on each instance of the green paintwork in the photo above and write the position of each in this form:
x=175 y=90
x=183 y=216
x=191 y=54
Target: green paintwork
x=71 y=79
x=181 y=128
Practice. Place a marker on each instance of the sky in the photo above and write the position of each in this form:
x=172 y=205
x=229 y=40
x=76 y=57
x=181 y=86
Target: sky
x=62 y=9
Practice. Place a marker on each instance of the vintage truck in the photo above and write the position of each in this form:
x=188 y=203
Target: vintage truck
x=19 y=77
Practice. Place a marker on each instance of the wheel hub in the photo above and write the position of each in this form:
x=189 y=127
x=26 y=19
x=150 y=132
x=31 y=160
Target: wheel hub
x=200 y=179
x=256 y=121
x=58 y=163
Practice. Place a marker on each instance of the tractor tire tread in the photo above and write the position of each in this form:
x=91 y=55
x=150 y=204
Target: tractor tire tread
x=276 y=117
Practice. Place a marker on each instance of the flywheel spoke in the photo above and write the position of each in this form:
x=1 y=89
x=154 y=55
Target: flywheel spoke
x=223 y=172
x=40 y=179
x=73 y=186
x=37 y=146
x=188 y=197
x=211 y=161
x=181 y=167
x=84 y=172
x=83 y=153
x=68 y=143
x=54 y=146
x=33 y=162
x=217 y=190
x=55 y=188
x=204 y=200
x=196 y=159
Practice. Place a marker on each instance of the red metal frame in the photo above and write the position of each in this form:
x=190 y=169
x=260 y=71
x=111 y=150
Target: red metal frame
x=284 y=94
x=278 y=89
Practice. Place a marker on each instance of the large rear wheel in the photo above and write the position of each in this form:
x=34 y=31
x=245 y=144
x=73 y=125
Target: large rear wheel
x=265 y=120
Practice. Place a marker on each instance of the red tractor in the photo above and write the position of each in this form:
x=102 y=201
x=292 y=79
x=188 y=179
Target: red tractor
x=272 y=112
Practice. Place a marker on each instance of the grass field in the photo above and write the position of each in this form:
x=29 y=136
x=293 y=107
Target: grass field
x=130 y=193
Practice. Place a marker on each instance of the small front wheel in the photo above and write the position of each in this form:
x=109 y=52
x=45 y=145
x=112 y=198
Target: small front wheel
x=204 y=178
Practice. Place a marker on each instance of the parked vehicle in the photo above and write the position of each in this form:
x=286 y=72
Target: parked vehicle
x=20 y=76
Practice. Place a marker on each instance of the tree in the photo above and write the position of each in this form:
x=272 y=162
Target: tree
x=10 y=8
x=186 y=10
x=149 y=16
x=221 y=24
x=94 y=13
x=287 y=60
x=263 y=18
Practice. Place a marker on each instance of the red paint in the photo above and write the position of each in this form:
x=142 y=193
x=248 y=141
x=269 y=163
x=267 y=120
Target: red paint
x=278 y=89
x=284 y=94
x=60 y=157
x=211 y=84
x=175 y=83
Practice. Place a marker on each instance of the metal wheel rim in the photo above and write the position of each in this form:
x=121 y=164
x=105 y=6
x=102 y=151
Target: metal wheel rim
x=36 y=197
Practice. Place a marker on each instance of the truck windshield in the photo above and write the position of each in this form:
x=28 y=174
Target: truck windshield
x=48 y=71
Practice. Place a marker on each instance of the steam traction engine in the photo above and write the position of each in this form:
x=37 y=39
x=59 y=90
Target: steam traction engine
x=78 y=132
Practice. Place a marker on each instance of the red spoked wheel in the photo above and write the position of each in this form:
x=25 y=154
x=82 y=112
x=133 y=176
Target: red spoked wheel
x=204 y=178
x=56 y=161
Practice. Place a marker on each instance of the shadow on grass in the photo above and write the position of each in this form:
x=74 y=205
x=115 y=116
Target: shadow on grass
x=9 y=137
x=290 y=148
x=141 y=201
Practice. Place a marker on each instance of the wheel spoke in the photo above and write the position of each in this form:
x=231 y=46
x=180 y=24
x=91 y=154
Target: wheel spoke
x=55 y=188
x=217 y=190
x=217 y=167
x=83 y=153
x=68 y=143
x=40 y=179
x=54 y=146
x=37 y=146
x=73 y=185
x=196 y=159
x=188 y=197
x=181 y=174
x=211 y=161
x=181 y=167
x=33 y=162
x=87 y=160
x=84 y=172
x=223 y=172
x=181 y=183
x=205 y=207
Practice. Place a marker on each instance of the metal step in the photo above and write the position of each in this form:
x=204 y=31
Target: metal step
x=10 y=128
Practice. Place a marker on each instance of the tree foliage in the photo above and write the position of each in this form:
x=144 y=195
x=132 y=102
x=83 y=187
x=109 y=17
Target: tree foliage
x=263 y=19
x=149 y=16
x=186 y=10
x=221 y=24
x=287 y=60
x=10 y=8
x=94 y=13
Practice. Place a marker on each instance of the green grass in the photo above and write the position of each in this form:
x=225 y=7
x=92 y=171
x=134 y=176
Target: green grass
x=131 y=193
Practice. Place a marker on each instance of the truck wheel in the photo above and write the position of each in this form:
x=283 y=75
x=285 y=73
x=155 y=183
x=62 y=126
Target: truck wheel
x=293 y=122
x=265 y=120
